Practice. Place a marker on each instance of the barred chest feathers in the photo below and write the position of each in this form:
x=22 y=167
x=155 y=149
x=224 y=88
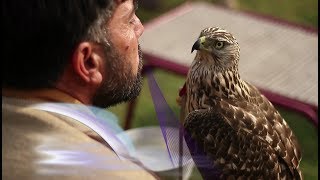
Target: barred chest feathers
x=204 y=86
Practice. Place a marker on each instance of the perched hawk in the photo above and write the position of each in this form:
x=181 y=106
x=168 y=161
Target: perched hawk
x=237 y=128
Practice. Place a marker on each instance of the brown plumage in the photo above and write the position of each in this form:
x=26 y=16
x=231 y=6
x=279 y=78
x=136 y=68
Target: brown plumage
x=239 y=130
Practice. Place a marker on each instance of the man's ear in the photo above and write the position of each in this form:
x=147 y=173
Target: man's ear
x=87 y=63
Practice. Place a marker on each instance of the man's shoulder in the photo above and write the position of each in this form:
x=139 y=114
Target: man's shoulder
x=20 y=114
x=40 y=145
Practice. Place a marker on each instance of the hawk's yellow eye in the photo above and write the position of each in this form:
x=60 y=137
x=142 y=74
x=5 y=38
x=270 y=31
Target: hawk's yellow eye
x=219 y=45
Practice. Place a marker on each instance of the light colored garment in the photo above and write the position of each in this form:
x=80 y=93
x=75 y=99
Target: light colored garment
x=41 y=145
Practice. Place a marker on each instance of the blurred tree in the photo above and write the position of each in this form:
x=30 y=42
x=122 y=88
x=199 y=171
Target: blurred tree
x=228 y=3
x=150 y=4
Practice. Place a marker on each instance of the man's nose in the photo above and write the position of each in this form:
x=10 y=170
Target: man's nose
x=139 y=28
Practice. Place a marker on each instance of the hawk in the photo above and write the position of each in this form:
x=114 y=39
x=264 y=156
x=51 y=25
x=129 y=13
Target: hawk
x=237 y=128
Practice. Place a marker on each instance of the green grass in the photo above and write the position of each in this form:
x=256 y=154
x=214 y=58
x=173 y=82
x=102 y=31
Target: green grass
x=302 y=12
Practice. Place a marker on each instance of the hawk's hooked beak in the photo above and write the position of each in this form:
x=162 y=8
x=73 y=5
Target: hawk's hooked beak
x=198 y=44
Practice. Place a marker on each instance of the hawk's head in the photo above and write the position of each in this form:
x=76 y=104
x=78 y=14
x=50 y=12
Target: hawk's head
x=217 y=48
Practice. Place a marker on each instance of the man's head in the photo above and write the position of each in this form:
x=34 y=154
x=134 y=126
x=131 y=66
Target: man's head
x=87 y=48
x=123 y=81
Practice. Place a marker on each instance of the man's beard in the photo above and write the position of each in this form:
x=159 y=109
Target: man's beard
x=121 y=84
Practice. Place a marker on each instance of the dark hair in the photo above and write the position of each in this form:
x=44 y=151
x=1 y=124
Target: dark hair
x=39 y=37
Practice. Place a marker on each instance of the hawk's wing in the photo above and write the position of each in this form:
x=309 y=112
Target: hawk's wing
x=272 y=128
x=238 y=142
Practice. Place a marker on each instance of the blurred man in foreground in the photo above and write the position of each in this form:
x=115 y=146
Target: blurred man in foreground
x=71 y=51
